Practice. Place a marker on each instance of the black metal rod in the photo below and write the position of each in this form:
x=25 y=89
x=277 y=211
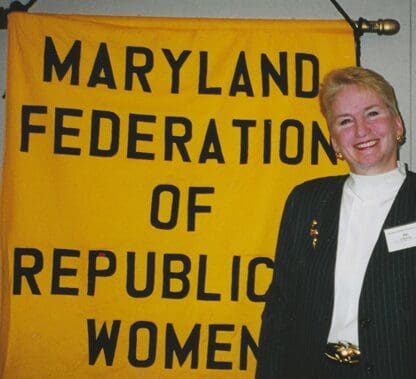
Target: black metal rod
x=381 y=27
x=15 y=6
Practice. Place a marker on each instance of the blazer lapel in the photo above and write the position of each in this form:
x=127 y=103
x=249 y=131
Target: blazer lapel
x=328 y=213
x=403 y=208
x=402 y=211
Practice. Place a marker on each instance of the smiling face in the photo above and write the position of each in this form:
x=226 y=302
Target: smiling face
x=364 y=130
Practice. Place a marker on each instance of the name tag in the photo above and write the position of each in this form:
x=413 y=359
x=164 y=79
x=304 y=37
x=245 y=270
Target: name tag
x=401 y=237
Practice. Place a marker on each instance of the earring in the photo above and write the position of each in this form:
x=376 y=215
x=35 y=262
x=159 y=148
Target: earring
x=400 y=139
x=339 y=155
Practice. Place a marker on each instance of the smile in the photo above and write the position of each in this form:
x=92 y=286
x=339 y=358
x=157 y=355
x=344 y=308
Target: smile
x=366 y=144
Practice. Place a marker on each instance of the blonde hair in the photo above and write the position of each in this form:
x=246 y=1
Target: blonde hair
x=336 y=80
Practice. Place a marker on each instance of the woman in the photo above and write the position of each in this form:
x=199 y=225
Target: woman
x=342 y=302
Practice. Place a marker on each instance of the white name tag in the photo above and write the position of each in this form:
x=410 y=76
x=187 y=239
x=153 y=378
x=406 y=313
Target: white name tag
x=401 y=237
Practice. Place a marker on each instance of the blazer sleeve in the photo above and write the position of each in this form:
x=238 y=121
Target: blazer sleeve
x=277 y=342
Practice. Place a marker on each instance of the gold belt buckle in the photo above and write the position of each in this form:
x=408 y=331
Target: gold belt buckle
x=344 y=352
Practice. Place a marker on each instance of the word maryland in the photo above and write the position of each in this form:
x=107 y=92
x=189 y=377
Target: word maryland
x=305 y=82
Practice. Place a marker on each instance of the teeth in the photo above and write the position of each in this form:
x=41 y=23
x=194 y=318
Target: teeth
x=366 y=144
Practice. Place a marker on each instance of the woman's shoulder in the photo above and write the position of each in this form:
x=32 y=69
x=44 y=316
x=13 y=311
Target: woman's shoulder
x=322 y=183
x=318 y=189
x=411 y=174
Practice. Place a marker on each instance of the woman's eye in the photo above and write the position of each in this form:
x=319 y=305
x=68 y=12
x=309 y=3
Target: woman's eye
x=345 y=122
x=373 y=113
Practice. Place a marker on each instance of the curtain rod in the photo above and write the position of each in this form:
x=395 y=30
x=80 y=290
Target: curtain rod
x=381 y=26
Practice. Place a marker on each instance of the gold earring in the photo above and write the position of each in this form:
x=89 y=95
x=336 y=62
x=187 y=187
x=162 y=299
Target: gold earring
x=400 y=139
x=339 y=155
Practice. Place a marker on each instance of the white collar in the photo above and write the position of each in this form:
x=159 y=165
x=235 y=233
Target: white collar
x=377 y=187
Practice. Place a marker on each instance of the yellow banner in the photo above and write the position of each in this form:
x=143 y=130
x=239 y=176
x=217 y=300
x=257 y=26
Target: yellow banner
x=146 y=164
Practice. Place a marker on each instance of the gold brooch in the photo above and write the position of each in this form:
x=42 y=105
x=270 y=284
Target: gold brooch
x=343 y=352
x=314 y=233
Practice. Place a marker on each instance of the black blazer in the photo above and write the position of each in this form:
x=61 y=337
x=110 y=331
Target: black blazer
x=299 y=302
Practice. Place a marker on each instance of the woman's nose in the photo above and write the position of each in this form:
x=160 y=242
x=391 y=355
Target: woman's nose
x=361 y=128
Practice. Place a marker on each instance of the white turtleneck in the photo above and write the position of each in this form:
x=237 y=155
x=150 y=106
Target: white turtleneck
x=366 y=201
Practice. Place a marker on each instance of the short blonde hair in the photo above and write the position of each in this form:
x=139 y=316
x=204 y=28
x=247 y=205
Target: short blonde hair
x=336 y=80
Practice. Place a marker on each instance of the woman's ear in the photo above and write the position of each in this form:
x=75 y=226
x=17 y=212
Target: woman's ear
x=399 y=128
x=334 y=144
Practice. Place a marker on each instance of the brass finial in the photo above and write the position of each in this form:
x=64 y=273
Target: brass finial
x=381 y=27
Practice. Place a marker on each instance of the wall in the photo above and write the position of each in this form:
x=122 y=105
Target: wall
x=392 y=56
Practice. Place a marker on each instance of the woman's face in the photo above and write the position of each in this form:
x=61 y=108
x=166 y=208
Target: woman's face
x=364 y=131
